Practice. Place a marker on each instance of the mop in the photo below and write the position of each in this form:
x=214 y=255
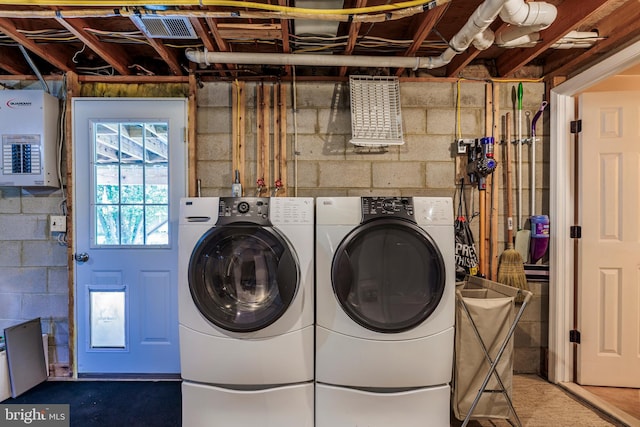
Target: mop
x=522 y=235
x=510 y=266
x=539 y=223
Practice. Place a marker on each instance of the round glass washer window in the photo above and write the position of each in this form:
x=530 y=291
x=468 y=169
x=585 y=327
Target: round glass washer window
x=388 y=275
x=243 y=278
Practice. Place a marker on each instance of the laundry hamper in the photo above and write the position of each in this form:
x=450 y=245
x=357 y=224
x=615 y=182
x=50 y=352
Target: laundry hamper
x=486 y=318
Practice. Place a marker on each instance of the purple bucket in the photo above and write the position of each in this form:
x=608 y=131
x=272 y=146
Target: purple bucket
x=539 y=237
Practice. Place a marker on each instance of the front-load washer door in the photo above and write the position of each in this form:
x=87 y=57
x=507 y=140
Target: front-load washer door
x=388 y=275
x=243 y=278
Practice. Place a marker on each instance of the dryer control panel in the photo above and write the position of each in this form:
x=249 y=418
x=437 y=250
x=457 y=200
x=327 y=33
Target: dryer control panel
x=398 y=207
x=254 y=210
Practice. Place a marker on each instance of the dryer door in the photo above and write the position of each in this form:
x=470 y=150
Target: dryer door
x=388 y=275
x=243 y=277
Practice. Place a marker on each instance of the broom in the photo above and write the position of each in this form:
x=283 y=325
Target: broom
x=510 y=265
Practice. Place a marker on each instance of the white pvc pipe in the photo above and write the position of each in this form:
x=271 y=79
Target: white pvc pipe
x=476 y=30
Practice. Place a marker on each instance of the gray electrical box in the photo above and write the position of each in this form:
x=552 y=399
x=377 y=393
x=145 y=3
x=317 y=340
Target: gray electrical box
x=28 y=132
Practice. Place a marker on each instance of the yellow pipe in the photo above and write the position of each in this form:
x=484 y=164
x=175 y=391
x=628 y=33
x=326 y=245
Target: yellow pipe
x=229 y=3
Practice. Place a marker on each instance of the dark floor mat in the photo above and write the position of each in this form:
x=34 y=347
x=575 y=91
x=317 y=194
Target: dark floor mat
x=111 y=403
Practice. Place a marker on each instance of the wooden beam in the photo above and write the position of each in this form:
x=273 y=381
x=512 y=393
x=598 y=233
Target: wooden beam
x=73 y=89
x=215 y=32
x=10 y=63
x=167 y=55
x=282 y=129
x=354 y=30
x=49 y=53
x=114 y=55
x=569 y=17
x=427 y=23
x=203 y=33
x=192 y=140
x=238 y=115
x=616 y=28
x=284 y=25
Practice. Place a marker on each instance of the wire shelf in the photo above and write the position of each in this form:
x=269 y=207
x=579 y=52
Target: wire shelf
x=376 y=119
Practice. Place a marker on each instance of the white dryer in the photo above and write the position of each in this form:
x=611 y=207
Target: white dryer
x=246 y=311
x=385 y=309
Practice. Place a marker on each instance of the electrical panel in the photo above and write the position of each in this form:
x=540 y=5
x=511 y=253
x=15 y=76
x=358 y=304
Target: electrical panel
x=28 y=131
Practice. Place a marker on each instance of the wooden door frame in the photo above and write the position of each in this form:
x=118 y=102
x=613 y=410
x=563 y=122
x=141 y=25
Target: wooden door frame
x=561 y=207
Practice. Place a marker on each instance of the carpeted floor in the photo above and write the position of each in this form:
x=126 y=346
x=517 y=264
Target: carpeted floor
x=158 y=404
x=111 y=403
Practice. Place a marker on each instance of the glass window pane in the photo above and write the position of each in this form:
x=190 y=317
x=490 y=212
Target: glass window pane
x=107 y=225
x=157 y=183
x=157 y=225
x=132 y=224
x=107 y=184
x=131 y=171
x=107 y=319
x=132 y=183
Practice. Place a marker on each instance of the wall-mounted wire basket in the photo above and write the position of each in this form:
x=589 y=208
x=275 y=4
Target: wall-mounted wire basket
x=376 y=119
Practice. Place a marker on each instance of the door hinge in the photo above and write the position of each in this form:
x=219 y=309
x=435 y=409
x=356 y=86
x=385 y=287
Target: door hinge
x=574 y=336
x=575 y=232
x=576 y=126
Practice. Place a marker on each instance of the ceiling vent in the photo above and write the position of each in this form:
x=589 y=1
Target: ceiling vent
x=165 y=27
x=376 y=119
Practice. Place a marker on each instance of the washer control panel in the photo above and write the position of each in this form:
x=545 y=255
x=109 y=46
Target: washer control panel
x=381 y=207
x=254 y=210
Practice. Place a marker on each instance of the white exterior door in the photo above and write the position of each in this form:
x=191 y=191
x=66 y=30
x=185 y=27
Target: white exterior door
x=129 y=175
x=609 y=278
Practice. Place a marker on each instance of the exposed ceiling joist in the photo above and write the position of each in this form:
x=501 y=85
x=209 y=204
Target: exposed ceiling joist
x=114 y=55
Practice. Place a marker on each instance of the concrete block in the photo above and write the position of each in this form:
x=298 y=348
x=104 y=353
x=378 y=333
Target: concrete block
x=427 y=95
x=44 y=305
x=23 y=279
x=23 y=227
x=331 y=122
x=43 y=253
x=213 y=120
x=441 y=121
x=58 y=280
x=306 y=120
x=10 y=200
x=472 y=94
x=440 y=175
x=526 y=360
x=336 y=174
x=321 y=147
x=307 y=175
x=325 y=95
x=375 y=192
x=215 y=174
x=363 y=153
x=427 y=148
x=10 y=252
x=10 y=309
x=414 y=121
x=215 y=95
x=40 y=204
x=214 y=146
x=394 y=175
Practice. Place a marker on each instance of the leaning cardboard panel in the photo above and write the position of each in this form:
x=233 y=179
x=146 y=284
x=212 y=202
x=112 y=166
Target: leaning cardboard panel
x=491 y=307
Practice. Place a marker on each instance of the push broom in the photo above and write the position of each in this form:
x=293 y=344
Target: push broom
x=510 y=265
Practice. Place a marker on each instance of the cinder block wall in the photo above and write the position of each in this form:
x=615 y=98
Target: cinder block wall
x=319 y=129
x=33 y=266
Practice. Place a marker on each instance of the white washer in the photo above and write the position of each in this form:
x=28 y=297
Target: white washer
x=385 y=295
x=246 y=311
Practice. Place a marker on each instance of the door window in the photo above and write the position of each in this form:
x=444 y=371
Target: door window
x=388 y=275
x=243 y=278
x=131 y=191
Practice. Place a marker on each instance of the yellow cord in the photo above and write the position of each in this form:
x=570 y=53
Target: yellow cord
x=227 y=3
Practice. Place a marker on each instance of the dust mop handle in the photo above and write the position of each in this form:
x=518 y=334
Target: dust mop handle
x=520 y=94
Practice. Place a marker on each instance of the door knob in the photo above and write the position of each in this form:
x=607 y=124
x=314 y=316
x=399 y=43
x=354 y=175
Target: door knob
x=82 y=257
